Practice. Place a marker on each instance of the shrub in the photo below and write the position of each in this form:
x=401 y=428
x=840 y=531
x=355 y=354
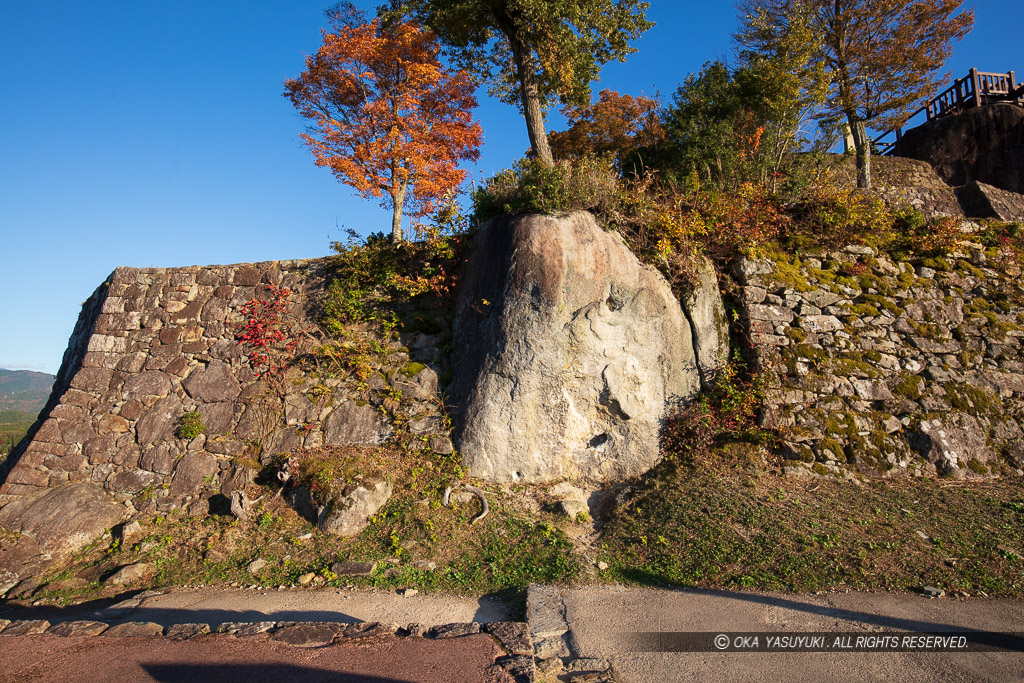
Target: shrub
x=728 y=412
x=836 y=216
x=587 y=183
x=191 y=426
x=372 y=279
x=266 y=333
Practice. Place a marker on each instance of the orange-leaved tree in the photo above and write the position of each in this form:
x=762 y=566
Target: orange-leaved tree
x=385 y=116
x=616 y=124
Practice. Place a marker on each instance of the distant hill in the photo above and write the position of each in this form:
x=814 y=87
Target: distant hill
x=24 y=390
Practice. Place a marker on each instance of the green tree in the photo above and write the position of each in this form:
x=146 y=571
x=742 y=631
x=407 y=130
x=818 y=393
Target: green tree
x=700 y=126
x=533 y=53
x=783 y=84
x=884 y=56
x=725 y=127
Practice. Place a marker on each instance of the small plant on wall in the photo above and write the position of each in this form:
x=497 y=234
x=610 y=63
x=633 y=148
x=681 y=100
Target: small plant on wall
x=191 y=426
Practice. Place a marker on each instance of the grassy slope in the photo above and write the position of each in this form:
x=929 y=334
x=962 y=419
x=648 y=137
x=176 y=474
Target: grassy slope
x=725 y=523
x=727 y=526
x=516 y=544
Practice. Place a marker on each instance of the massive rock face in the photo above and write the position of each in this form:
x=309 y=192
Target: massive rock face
x=984 y=144
x=569 y=350
x=52 y=524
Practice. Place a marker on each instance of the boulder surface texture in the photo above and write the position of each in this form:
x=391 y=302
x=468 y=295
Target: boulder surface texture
x=50 y=525
x=569 y=352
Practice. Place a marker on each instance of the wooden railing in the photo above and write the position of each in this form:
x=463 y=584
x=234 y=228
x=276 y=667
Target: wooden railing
x=976 y=89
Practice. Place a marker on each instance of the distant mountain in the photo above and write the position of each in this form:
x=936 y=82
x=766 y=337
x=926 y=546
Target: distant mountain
x=24 y=390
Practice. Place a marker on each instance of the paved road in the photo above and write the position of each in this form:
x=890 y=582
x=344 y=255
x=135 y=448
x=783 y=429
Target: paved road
x=588 y=624
x=255 y=659
x=597 y=618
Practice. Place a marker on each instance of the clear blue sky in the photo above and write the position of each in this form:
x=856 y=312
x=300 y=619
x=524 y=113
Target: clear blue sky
x=154 y=134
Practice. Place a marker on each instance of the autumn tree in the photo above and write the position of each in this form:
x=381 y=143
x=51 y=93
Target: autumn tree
x=384 y=116
x=784 y=85
x=533 y=53
x=884 y=56
x=615 y=124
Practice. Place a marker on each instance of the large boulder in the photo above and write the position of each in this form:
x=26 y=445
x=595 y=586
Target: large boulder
x=569 y=351
x=52 y=524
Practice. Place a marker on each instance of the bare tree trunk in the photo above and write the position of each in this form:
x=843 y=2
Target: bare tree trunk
x=863 y=147
x=398 y=187
x=530 y=98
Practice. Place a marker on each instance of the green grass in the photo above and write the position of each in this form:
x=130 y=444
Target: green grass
x=722 y=522
x=721 y=527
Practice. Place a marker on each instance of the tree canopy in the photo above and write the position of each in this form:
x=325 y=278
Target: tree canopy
x=615 y=124
x=385 y=117
x=533 y=53
x=883 y=55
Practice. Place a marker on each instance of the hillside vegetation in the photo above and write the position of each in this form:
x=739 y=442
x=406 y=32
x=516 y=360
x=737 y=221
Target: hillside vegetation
x=22 y=395
x=13 y=426
x=24 y=390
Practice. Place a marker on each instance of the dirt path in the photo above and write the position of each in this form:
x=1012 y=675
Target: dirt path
x=256 y=659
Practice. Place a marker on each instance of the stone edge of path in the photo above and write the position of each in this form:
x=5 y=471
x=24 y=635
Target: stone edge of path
x=555 y=650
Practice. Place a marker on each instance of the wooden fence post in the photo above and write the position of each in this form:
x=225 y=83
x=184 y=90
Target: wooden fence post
x=977 y=86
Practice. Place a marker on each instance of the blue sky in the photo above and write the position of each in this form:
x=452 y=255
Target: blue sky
x=155 y=134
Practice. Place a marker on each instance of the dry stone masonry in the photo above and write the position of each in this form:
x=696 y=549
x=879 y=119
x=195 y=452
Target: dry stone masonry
x=892 y=368
x=910 y=183
x=154 y=344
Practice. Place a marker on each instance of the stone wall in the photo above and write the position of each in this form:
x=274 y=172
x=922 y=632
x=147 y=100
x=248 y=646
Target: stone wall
x=893 y=172
x=985 y=201
x=892 y=368
x=912 y=183
x=984 y=145
x=152 y=344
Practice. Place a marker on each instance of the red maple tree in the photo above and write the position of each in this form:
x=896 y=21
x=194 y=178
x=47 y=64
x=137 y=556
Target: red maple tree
x=385 y=116
x=615 y=124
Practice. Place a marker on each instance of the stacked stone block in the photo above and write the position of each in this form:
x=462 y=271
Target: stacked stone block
x=152 y=344
x=889 y=367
